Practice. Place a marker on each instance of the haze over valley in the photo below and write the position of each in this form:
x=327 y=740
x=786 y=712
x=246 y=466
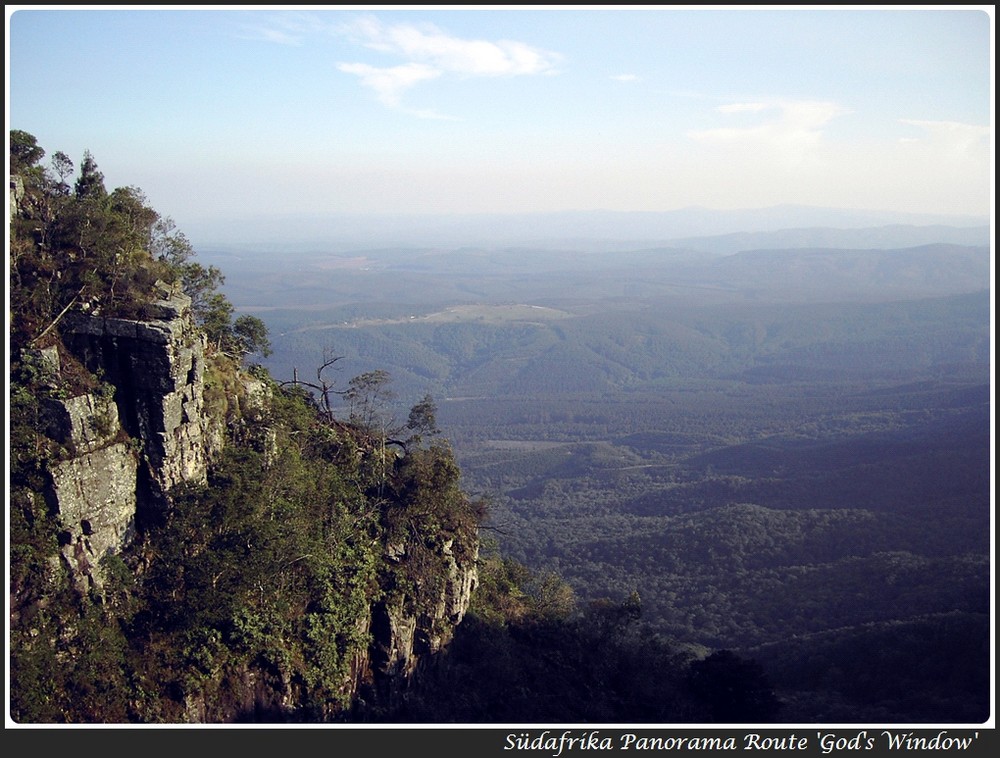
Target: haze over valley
x=784 y=450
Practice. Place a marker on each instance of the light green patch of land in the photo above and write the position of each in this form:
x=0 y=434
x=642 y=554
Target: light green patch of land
x=495 y=313
x=477 y=313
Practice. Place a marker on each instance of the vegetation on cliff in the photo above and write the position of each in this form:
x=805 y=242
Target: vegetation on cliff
x=255 y=590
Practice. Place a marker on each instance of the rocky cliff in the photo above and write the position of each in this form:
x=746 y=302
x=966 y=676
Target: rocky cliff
x=145 y=426
x=137 y=435
x=191 y=539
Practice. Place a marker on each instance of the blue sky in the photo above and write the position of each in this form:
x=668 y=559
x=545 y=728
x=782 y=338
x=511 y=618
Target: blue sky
x=312 y=109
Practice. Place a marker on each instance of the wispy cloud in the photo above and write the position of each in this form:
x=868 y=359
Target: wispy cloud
x=427 y=53
x=788 y=129
x=389 y=83
x=430 y=53
x=283 y=28
x=950 y=137
x=625 y=78
x=469 y=57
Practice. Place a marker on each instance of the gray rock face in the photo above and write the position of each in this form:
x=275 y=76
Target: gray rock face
x=132 y=445
x=157 y=368
x=96 y=496
x=83 y=423
x=407 y=628
x=94 y=491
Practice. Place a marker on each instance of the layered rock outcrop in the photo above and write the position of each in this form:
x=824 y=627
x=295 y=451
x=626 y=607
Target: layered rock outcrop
x=140 y=435
x=94 y=492
x=157 y=367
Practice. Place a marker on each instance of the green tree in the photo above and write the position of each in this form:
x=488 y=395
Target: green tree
x=552 y=598
x=90 y=183
x=202 y=284
x=250 y=336
x=63 y=167
x=169 y=245
x=422 y=420
x=25 y=153
x=423 y=416
x=100 y=251
x=216 y=320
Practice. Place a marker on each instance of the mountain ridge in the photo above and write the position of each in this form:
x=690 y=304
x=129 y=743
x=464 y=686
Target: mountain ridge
x=344 y=230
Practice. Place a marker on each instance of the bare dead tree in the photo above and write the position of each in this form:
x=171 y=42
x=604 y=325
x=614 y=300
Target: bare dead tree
x=323 y=386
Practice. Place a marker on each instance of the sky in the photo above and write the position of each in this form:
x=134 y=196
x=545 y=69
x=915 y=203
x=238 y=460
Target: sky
x=262 y=110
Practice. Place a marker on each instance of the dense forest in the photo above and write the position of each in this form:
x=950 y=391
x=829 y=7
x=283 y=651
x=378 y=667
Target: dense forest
x=784 y=451
x=278 y=585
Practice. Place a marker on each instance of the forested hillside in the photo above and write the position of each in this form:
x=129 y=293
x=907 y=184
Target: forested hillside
x=785 y=452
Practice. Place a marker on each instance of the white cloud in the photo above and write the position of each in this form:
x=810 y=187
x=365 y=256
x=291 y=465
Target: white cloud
x=469 y=57
x=389 y=83
x=430 y=53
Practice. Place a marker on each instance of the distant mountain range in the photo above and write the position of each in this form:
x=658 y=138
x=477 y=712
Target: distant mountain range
x=867 y=238
x=813 y=227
